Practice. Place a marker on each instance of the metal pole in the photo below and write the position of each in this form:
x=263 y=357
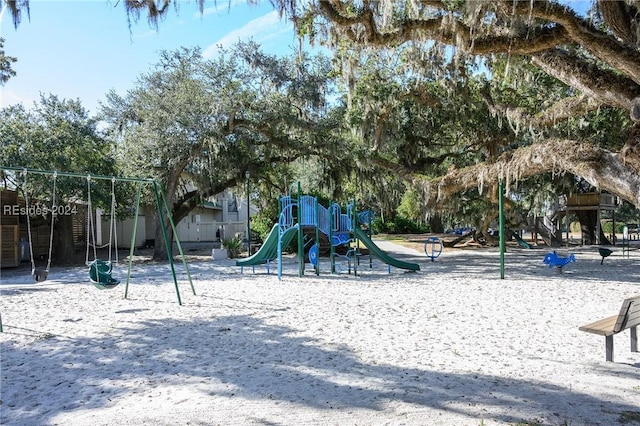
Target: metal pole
x=353 y=233
x=177 y=239
x=317 y=220
x=332 y=253
x=166 y=238
x=281 y=218
x=300 y=242
x=502 y=239
x=72 y=174
x=133 y=238
x=247 y=175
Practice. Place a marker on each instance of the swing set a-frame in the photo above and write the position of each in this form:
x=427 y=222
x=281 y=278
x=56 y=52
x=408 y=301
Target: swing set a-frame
x=100 y=270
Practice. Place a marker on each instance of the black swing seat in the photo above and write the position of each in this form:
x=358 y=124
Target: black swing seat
x=40 y=275
x=100 y=274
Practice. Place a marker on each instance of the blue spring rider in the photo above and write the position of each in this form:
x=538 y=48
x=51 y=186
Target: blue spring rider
x=553 y=260
x=433 y=247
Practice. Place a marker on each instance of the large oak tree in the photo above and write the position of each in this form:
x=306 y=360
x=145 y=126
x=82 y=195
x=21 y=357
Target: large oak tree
x=597 y=58
x=197 y=125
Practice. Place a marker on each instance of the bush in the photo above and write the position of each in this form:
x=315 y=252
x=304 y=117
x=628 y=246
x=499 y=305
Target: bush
x=233 y=246
x=260 y=227
x=400 y=225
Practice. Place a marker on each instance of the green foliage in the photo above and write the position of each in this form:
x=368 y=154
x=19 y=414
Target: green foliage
x=6 y=71
x=410 y=206
x=58 y=135
x=627 y=213
x=399 y=225
x=261 y=225
x=607 y=227
x=197 y=124
x=233 y=246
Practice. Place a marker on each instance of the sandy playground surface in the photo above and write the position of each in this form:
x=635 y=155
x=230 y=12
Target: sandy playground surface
x=450 y=345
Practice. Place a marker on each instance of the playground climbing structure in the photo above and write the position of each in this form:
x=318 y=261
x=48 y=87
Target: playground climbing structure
x=303 y=213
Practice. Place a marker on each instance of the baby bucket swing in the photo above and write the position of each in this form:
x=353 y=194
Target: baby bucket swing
x=40 y=274
x=100 y=270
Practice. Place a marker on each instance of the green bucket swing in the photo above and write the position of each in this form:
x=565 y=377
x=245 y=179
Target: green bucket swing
x=100 y=274
x=100 y=270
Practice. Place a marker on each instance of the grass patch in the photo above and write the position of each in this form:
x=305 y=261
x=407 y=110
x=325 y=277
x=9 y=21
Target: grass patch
x=629 y=417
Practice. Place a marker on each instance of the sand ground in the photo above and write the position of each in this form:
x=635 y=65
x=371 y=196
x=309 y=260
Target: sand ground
x=452 y=344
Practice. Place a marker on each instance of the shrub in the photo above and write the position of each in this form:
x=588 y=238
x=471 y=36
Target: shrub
x=260 y=227
x=400 y=225
x=233 y=246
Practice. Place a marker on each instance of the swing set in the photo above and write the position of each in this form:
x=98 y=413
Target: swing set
x=100 y=270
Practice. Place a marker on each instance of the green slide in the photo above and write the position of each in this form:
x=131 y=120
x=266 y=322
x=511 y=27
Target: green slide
x=384 y=257
x=269 y=249
x=520 y=241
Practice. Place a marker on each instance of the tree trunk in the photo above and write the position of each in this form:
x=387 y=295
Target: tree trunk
x=588 y=219
x=435 y=222
x=482 y=230
x=588 y=224
x=160 y=247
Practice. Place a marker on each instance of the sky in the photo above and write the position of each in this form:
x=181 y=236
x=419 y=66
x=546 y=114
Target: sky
x=82 y=49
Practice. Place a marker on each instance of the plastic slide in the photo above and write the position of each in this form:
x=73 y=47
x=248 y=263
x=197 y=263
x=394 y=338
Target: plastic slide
x=384 y=257
x=520 y=241
x=269 y=249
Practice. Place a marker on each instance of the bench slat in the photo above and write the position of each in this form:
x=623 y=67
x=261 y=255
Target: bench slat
x=604 y=327
x=633 y=316
x=629 y=314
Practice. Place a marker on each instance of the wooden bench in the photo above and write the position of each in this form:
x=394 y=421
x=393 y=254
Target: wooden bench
x=628 y=317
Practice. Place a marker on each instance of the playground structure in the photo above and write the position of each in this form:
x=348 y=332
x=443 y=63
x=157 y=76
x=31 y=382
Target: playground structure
x=100 y=270
x=341 y=229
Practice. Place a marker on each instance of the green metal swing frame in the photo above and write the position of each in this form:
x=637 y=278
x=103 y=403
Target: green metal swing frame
x=163 y=209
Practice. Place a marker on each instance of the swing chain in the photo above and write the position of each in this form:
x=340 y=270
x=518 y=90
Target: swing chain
x=26 y=203
x=90 y=226
x=39 y=275
x=54 y=213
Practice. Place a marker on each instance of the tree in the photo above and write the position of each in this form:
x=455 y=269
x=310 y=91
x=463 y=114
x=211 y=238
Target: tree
x=57 y=134
x=6 y=72
x=597 y=60
x=197 y=124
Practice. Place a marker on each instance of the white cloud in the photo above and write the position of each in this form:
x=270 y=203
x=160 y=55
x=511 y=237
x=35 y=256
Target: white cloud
x=9 y=97
x=259 y=30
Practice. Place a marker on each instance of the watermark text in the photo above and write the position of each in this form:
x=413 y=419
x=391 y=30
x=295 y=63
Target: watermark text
x=38 y=210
